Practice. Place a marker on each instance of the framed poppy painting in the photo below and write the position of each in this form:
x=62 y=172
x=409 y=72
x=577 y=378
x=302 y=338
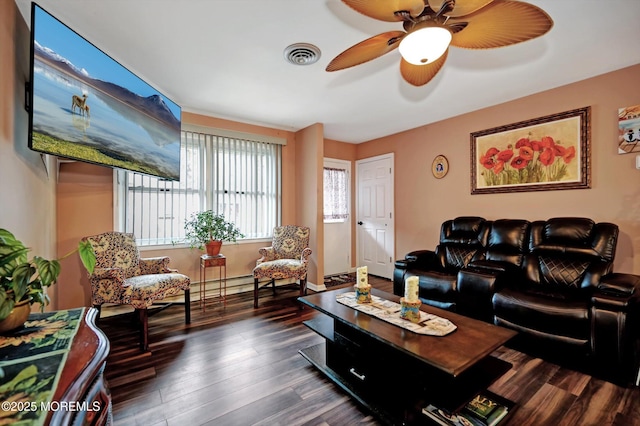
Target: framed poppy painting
x=546 y=153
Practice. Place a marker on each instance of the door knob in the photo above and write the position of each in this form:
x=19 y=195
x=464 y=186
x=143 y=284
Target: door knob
x=360 y=223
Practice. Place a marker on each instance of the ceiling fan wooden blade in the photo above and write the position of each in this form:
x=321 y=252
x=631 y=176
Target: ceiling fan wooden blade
x=419 y=75
x=366 y=50
x=502 y=23
x=384 y=10
x=461 y=8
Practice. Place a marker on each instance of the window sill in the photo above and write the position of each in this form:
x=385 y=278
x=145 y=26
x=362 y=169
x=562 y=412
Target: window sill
x=184 y=246
x=335 y=220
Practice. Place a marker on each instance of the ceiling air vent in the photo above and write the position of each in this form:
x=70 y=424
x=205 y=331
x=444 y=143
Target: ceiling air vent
x=302 y=54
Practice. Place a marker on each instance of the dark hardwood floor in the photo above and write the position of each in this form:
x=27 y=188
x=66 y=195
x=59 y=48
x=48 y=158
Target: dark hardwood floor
x=235 y=365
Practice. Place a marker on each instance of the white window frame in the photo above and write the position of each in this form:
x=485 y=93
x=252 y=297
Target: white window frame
x=209 y=194
x=340 y=165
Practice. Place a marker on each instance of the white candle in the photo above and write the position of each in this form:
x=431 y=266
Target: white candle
x=361 y=275
x=411 y=289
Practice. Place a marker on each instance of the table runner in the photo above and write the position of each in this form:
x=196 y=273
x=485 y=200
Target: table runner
x=389 y=311
x=31 y=361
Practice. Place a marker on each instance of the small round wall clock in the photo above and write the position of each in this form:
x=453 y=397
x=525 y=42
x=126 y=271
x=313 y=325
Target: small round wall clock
x=440 y=166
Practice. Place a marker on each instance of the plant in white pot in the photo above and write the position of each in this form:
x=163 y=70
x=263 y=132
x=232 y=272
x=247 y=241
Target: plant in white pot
x=208 y=230
x=23 y=280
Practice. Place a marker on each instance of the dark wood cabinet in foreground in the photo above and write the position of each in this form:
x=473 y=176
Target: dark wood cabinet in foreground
x=53 y=370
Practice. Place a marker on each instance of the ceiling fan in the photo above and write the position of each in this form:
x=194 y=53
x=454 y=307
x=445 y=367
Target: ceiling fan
x=431 y=26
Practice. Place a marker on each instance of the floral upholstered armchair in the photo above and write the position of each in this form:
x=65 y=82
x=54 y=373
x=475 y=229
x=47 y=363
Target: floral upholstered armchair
x=287 y=257
x=122 y=277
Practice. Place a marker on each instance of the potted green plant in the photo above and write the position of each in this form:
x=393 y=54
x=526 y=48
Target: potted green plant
x=23 y=280
x=209 y=229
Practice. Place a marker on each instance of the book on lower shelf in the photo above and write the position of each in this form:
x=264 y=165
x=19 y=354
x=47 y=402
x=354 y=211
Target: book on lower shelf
x=485 y=409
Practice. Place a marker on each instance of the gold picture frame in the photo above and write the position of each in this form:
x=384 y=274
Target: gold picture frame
x=440 y=166
x=542 y=154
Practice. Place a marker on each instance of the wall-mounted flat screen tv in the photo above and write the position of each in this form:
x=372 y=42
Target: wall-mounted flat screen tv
x=85 y=106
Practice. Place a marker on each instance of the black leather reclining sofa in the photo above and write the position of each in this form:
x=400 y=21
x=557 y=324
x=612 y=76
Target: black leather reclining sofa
x=549 y=280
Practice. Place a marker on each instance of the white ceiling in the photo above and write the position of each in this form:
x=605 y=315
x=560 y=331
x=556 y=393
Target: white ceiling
x=224 y=58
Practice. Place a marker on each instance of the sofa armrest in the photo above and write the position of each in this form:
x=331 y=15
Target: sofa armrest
x=617 y=284
x=268 y=254
x=617 y=292
x=615 y=313
x=494 y=267
x=155 y=265
x=420 y=259
x=476 y=288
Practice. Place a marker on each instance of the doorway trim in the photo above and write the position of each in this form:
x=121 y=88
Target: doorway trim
x=390 y=247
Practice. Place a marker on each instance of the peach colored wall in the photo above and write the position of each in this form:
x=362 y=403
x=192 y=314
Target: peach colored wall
x=349 y=152
x=27 y=179
x=423 y=202
x=85 y=207
x=309 y=163
x=340 y=150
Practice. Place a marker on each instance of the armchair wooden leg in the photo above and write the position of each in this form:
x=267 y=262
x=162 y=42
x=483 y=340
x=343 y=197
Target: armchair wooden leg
x=144 y=329
x=273 y=286
x=187 y=306
x=303 y=290
x=255 y=293
x=303 y=287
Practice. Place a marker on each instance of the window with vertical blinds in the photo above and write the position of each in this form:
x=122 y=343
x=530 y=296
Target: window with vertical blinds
x=237 y=177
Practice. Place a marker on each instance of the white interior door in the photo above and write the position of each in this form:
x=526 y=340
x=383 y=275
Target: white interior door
x=375 y=231
x=337 y=233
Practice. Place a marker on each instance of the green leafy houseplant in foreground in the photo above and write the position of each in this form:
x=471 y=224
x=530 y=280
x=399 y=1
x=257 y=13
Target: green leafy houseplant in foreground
x=206 y=226
x=23 y=279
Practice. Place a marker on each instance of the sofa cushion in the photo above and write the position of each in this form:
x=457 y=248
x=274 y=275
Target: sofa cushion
x=456 y=257
x=507 y=241
x=574 y=236
x=468 y=230
x=563 y=272
x=556 y=313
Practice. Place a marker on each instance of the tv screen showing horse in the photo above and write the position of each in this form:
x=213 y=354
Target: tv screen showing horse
x=86 y=106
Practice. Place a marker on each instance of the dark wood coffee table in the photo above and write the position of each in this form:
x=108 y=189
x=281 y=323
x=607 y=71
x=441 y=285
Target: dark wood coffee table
x=395 y=372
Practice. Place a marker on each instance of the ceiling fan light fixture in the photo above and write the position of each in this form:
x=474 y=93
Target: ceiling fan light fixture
x=425 y=45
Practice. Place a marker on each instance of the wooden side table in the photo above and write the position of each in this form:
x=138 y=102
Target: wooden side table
x=207 y=261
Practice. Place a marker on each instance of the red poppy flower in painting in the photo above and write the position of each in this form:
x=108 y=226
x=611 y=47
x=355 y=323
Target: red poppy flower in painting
x=547 y=156
x=569 y=154
x=487 y=162
x=526 y=152
x=498 y=167
x=519 y=163
x=491 y=152
x=523 y=142
x=547 y=142
x=559 y=150
x=505 y=155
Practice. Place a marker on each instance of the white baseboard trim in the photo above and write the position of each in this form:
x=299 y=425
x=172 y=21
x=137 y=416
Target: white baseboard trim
x=316 y=287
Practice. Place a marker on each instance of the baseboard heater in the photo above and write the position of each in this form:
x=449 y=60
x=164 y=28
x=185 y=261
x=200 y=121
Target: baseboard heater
x=239 y=284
